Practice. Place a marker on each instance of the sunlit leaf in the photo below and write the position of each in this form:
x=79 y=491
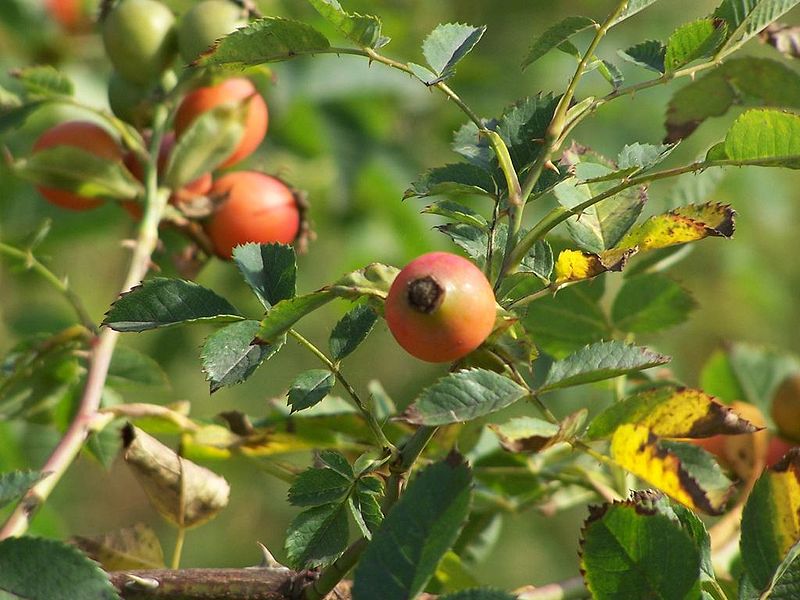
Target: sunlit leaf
x=692 y=41
x=365 y=31
x=269 y=269
x=317 y=536
x=633 y=7
x=282 y=317
x=351 y=330
x=446 y=45
x=576 y=265
x=309 y=388
x=680 y=226
x=457 y=212
x=765 y=135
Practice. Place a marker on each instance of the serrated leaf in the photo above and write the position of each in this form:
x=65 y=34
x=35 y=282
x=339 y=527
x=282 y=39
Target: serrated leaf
x=673 y=412
x=622 y=555
x=209 y=141
x=310 y=388
x=72 y=169
x=364 y=31
x=317 y=536
x=366 y=505
x=555 y=35
x=472 y=240
x=651 y=302
x=282 y=317
x=129 y=366
x=162 y=302
x=765 y=135
x=414 y=536
x=702 y=467
x=40 y=569
x=446 y=45
x=469 y=143
x=269 y=269
x=610 y=73
x=134 y=547
x=352 y=329
x=372 y=282
x=270 y=39
x=786 y=580
x=692 y=41
x=638 y=451
x=538 y=260
x=463 y=396
x=576 y=265
x=44 y=81
x=599 y=361
x=633 y=7
x=316 y=487
x=748 y=80
x=525 y=434
x=336 y=461
x=649 y=54
x=770 y=525
x=746 y=18
x=457 y=212
x=641 y=157
x=15 y=485
x=230 y=357
x=569 y=320
x=523 y=127
x=453 y=179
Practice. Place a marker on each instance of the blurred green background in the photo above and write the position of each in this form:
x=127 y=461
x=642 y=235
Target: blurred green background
x=355 y=136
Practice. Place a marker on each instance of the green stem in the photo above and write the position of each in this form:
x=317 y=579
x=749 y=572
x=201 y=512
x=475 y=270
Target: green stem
x=178 y=549
x=332 y=575
x=61 y=285
x=373 y=424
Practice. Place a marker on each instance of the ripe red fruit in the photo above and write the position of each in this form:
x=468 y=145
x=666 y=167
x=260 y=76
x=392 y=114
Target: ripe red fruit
x=232 y=90
x=69 y=13
x=88 y=137
x=255 y=208
x=440 y=307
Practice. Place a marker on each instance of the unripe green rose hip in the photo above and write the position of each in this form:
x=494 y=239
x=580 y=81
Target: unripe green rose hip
x=205 y=23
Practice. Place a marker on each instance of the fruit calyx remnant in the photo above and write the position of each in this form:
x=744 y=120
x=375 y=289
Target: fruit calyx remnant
x=425 y=294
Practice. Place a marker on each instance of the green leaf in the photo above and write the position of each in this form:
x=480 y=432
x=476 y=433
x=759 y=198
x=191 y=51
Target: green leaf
x=651 y=302
x=366 y=507
x=315 y=487
x=469 y=143
x=765 y=135
x=479 y=537
x=75 y=170
x=523 y=127
x=453 y=179
x=336 y=461
x=457 y=212
x=414 y=536
x=15 y=485
x=622 y=555
x=569 y=320
x=162 y=302
x=602 y=225
x=372 y=282
x=703 y=467
x=692 y=41
x=317 y=536
x=129 y=366
x=209 y=141
x=282 y=317
x=269 y=269
x=637 y=157
x=538 y=260
x=446 y=46
x=40 y=569
x=748 y=80
x=230 y=357
x=759 y=371
x=364 y=31
x=478 y=594
x=44 y=81
x=135 y=547
x=472 y=240
x=463 y=396
x=309 y=388
x=633 y=7
x=270 y=39
x=12 y=117
x=352 y=329
x=599 y=361
x=746 y=18
x=555 y=35
x=785 y=583
x=649 y=54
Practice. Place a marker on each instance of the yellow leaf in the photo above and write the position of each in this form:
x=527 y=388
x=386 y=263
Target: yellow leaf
x=784 y=481
x=576 y=265
x=680 y=226
x=636 y=449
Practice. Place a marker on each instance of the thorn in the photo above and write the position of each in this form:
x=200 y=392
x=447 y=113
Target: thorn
x=268 y=561
x=140 y=583
x=549 y=165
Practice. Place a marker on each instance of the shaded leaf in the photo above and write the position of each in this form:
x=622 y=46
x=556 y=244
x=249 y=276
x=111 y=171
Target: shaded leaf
x=669 y=411
x=523 y=127
x=463 y=396
x=352 y=329
x=269 y=39
x=633 y=7
x=414 y=536
x=309 y=388
x=364 y=31
x=15 y=485
x=472 y=240
x=44 y=81
x=446 y=45
x=555 y=35
x=649 y=54
x=468 y=142
x=478 y=594
x=269 y=269
x=129 y=366
x=134 y=547
x=529 y=434
x=453 y=179
x=162 y=302
x=599 y=361
x=457 y=212
x=651 y=302
x=746 y=18
x=316 y=487
x=317 y=536
x=230 y=357
x=40 y=569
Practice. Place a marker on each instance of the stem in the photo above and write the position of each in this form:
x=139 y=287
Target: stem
x=331 y=576
x=178 y=550
x=571 y=589
x=62 y=285
x=373 y=424
x=102 y=350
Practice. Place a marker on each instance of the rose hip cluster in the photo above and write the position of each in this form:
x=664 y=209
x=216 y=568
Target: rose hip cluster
x=142 y=40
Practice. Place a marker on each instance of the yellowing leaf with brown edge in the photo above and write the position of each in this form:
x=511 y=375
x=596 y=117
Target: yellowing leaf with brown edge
x=636 y=449
x=680 y=226
x=673 y=412
x=576 y=265
x=134 y=547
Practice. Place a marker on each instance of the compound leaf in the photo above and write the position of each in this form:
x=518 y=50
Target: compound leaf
x=269 y=269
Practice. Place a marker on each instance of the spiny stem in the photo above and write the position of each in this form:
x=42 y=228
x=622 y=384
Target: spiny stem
x=373 y=424
x=102 y=350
